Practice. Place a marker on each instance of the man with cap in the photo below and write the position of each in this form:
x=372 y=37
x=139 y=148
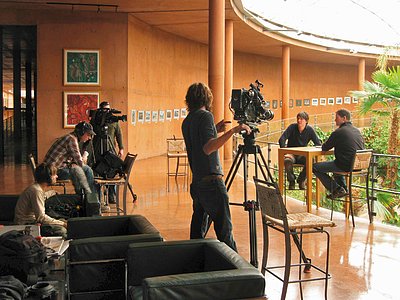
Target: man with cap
x=64 y=154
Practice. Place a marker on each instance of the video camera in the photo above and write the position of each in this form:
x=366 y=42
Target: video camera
x=249 y=106
x=104 y=116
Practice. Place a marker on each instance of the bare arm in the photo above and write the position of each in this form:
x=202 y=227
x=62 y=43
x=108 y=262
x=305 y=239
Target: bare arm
x=215 y=143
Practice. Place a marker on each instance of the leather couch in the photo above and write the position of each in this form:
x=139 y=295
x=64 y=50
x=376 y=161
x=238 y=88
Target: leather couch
x=7 y=209
x=193 y=269
x=96 y=267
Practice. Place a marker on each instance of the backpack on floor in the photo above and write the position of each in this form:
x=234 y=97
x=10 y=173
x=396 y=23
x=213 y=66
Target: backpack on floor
x=22 y=256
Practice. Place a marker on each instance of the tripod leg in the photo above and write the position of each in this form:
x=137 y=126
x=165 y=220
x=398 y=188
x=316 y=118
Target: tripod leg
x=235 y=165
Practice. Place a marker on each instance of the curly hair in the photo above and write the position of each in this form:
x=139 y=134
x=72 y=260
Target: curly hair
x=197 y=96
x=44 y=173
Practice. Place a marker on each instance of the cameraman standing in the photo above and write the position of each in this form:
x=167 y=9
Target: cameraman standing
x=208 y=190
x=108 y=136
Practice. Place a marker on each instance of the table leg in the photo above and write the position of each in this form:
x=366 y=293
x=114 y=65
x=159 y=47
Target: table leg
x=309 y=181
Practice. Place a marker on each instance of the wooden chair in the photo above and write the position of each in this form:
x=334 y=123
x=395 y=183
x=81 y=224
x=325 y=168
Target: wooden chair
x=275 y=216
x=59 y=182
x=119 y=181
x=176 y=149
x=360 y=169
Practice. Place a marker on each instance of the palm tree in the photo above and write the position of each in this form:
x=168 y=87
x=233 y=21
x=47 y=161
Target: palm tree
x=384 y=91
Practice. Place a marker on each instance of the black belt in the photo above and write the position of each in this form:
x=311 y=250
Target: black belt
x=211 y=178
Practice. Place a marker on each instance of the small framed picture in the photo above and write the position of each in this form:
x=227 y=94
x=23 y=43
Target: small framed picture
x=306 y=102
x=322 y=101
x=339 y=100
x=347 y=100
x=314 y=101
x=290 y=103
x=274 y=104
x=140 y=116
x=168 y=115
x=331 y=101
x=267 y=104
x=355 y=100
x=154 y=116
x=183 y=113
x=298 y=102
x=133 y=116
x=161 y=115
x=176 y=113
x=280 y=103
x=147 y=116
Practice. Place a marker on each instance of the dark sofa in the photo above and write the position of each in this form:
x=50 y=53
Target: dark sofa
x=193 y=269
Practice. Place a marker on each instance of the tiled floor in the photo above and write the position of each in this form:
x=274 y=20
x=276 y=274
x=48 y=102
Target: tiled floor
x=364 y=263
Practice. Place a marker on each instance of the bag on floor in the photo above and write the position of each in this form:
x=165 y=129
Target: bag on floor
x=109 y=165
x=65 y=206
x=11 y=288
x=22 y=256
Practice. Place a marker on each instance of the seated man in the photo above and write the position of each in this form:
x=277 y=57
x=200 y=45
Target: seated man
x=297 y=135
x=30 y=208
x=346 y=140
x=66 y=157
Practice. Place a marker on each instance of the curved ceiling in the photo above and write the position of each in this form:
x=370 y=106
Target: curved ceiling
x=353 y=25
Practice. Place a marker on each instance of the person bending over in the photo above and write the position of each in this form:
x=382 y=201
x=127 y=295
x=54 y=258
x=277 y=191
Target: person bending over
x=346 y=140
x=208 y=190
x=297 y=135
x=30 y=208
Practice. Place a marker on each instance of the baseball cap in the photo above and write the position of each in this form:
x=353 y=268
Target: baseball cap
x=84 y=127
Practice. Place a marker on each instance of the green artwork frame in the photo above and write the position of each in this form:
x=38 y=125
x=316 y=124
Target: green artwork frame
x=81 y=67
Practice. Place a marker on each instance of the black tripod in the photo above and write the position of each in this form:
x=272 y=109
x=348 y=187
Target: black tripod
x=249 y=147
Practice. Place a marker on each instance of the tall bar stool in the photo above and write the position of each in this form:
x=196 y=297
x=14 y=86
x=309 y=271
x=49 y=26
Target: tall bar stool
x=176 y=150
x=275 y=216
x=360 y=168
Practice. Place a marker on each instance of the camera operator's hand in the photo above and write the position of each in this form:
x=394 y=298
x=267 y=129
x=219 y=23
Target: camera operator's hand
x=242 y=128
x=221 y=125
x=121 y=153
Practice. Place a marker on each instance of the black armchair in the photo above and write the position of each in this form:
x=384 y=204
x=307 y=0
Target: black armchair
x=193 y=269
x=96 y=267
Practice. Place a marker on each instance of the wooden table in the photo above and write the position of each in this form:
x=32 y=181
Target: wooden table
x=309 y=153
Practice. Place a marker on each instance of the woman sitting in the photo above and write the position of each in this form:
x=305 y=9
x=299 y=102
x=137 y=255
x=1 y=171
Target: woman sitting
x=30 y=208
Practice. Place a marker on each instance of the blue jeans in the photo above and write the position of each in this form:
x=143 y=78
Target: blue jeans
x=210 y=200
x=82 y=178
x=321 y=171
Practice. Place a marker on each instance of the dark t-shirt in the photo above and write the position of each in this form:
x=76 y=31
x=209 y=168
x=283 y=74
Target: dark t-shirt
x=346 y=140
x=197 y=129
x=297 y=139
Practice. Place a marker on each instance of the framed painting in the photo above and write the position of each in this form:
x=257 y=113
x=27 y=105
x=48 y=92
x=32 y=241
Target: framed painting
x=347 y=100
x=133 y=116
x=339 y=100
x=306 y=102
x=298 y=102
x=168 y=115
x=147 y=116
x=290 y=103
x=176 y=113
x=322 y=101
x=183 y=113
x=267 y=104
x=140 y=117
x=331 y=101
x=81 y=67
x=154 y=116
x=77 y=106
x=161 y=115
x=314 y=101
x=274 y=104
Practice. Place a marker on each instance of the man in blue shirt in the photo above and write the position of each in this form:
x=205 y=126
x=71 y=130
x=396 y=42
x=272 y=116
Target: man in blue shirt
x=208 y=190
x=297 y=135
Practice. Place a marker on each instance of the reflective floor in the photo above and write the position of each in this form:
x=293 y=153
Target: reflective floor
x=364 y=261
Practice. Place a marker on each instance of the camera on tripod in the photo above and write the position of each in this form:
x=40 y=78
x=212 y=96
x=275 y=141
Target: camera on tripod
x=104 y=116
x=249 y=106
